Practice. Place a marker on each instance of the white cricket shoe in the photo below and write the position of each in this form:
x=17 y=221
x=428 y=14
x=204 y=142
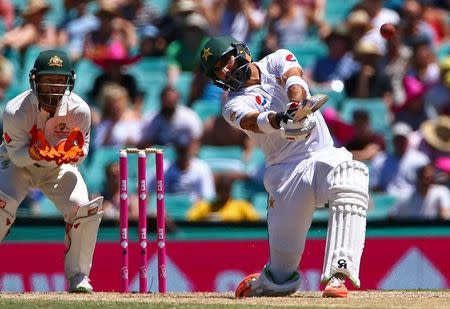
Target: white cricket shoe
x=80 y=283
x=262 y=284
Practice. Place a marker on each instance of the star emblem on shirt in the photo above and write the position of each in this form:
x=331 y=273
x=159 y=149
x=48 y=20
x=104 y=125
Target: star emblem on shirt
x=206 y=53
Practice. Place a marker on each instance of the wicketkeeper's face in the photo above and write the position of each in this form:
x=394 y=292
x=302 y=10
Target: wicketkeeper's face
x=50 y=89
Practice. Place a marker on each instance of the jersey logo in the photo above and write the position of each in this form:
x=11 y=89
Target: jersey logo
x=6 y=138
x=61 y=128
x=260 y=101
x=291 y=58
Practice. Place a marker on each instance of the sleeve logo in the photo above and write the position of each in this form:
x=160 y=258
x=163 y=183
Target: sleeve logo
x=291 y=58
x=6 y=138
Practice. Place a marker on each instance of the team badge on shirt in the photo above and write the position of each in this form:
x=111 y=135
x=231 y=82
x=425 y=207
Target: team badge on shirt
x=61 y=128
x=291 y=58
x=260 y=101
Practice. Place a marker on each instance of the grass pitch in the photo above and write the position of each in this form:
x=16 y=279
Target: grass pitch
x=364 y=299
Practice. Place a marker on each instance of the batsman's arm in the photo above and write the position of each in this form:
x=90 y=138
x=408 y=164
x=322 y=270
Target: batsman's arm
x=296 y=87
x=250 y=122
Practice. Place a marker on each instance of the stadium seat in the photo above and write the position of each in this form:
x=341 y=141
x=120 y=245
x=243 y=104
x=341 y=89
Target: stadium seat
x=223 y=158
x=382 y=203
x=183 y=85
x=308 y=51
x=337 y=11
x=176 y=205
x=206 y=108
x=378 y=112
x=259 y=201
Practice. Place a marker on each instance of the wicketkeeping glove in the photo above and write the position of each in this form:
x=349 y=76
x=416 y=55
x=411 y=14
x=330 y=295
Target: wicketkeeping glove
x=71 y=148
x=40 y=149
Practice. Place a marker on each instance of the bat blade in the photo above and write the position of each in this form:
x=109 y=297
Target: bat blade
x=310 y=105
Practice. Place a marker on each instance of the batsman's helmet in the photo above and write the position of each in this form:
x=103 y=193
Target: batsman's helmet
x=51 y=62
x=218 y=48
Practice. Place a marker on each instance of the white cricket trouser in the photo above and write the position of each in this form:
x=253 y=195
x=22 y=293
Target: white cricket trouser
x=295 y=190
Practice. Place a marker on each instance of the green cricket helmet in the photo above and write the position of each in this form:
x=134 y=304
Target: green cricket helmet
x=51 y=62
x=221 y=47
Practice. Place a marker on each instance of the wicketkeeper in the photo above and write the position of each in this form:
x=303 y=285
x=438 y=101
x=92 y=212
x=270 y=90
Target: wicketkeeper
x=46 y=135
x=271 y=102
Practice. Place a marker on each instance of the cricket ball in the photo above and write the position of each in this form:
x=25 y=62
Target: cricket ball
x=387 y=30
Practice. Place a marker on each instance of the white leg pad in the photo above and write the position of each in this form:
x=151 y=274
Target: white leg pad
x=347 y=221
x=6 y=218
x=81 y=237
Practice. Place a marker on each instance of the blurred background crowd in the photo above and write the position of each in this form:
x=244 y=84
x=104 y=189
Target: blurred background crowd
x=137 y=67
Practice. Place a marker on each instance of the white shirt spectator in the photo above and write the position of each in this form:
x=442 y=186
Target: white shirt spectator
x=423 y=207
x=396 y=176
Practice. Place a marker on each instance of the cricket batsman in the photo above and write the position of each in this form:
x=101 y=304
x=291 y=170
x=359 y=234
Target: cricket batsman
x=270 y=101
x=46 y=135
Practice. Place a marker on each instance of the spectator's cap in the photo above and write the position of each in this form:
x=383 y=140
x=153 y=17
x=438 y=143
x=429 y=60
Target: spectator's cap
x=183 y=138
x=401 y=129
x=414 y=88
x=339 y=33
x=183 y=6
x=367 y=47
x=107 y=9
x=196 y=20
x=443 y=163
x=148 y=31
x=436 y=133
x=358 y=18
x=115 y=54
x=34 y=7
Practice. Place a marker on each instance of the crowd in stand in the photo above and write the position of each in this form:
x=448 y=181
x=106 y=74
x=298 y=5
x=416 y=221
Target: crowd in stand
x=137 y=67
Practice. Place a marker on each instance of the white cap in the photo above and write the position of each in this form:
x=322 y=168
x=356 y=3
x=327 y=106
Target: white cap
x=401 y=129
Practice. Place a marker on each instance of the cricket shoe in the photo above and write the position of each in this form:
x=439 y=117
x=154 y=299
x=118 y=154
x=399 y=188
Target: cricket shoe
x=80 y=283
x=336 y=287
x=262 y=284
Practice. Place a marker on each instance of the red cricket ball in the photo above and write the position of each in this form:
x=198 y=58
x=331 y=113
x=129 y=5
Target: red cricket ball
x=387 y=30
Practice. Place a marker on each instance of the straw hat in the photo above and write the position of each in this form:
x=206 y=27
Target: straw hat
x=436 y=132
x=34 y=7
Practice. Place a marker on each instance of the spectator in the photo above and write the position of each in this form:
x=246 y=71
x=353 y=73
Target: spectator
x=365 y=144
x=424 y=65
x=288 y=20
x=7 y=14
x=358 y=25
x=395 y=173
x=151 y=43
x=237 y=18
x=112 y=28
x=369 y=81
x=162 y=128
x=182 y=53
x=428 y=201
x=341 y=132
x=170 y=24
x=412 y=110
x=269 y=44
x=414 y=28
x=224 y=208
x=77 y=25
x=339 y=63
x=187 y=174
x=437 y=97
x=120 y=125
x=396 y=62
x=433 y=138
x=113 y=62
x=111 y=195
x=32 y=30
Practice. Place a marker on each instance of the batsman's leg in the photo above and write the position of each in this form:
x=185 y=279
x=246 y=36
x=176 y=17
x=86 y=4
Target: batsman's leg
x=346 y=227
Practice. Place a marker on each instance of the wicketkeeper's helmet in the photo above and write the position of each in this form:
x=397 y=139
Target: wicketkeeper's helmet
x=51 y=62
x=219 y=47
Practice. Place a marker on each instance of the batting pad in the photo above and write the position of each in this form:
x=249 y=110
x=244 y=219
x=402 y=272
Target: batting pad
x=81 y=237
x=6 y=218
x=347 y=221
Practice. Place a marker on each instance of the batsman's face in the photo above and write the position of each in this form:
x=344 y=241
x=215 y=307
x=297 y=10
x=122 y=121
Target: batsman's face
x=224 y=67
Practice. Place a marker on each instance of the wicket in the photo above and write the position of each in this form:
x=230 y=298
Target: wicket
x=142 y=225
